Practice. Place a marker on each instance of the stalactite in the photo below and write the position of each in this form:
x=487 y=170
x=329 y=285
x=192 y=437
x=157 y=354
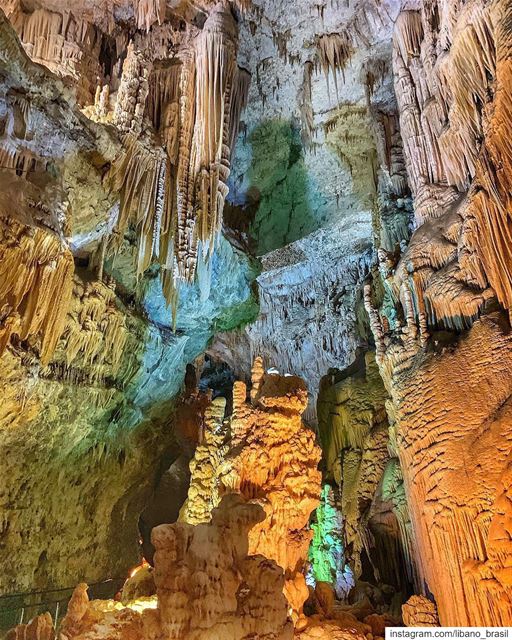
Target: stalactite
x=306 y=106
x=375 y=71
x=164 y=90
x=408 y=34
x=18 y=159
x=67 y=45
x=238 y=102
x=36 y=277
x=215 y=71
x=143 y=178
x=147 y=12
x=467 y=79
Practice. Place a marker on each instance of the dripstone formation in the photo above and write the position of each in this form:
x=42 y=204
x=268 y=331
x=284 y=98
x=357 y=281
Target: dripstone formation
x=255 y=318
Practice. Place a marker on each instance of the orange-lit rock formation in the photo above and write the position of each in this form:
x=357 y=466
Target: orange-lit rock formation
x=39 y=628
x=273 y=461
x=265 y=453
x=208 y=586
x=36 y=281
x=418 y=611
x=444 y=348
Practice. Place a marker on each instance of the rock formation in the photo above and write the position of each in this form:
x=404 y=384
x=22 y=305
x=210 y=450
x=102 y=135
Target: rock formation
x=443 y=346
x=295 y=177
x=418 y=611
x=207 y=586
x=39 y=628
x=90 y=365
x=360 y=455
x=265 y=453
x=327 y=550
x=188 y=184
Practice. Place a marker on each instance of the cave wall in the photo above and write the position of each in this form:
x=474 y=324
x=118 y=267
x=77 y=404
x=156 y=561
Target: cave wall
x=93 y=355
x=442 y=338
x=360 y=457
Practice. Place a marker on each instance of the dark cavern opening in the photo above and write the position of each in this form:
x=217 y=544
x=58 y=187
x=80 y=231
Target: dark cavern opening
x=255 y=318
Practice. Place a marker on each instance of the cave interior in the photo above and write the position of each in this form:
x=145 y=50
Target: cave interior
x=255 y=318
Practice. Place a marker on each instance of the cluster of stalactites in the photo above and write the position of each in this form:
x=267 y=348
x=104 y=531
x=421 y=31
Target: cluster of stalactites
x=452 y=78
x=95 y=334
x=147 y=12
x=66 y=44
x=334 y=50
x=150 y=12
x=143 y=178
x=442 y=97
x=175 y=193
x=490 y=235
x=36 y=283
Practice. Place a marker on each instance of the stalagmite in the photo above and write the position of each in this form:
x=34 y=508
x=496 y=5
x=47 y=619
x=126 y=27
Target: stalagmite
x=133 y=91
x=203 y=494
x=327 y=550
x=191 y=563
x=39 y=628
x=418 y=611
x=272 y=461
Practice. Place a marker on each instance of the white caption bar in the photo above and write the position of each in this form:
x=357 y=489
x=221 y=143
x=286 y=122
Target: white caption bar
x=449 y=633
